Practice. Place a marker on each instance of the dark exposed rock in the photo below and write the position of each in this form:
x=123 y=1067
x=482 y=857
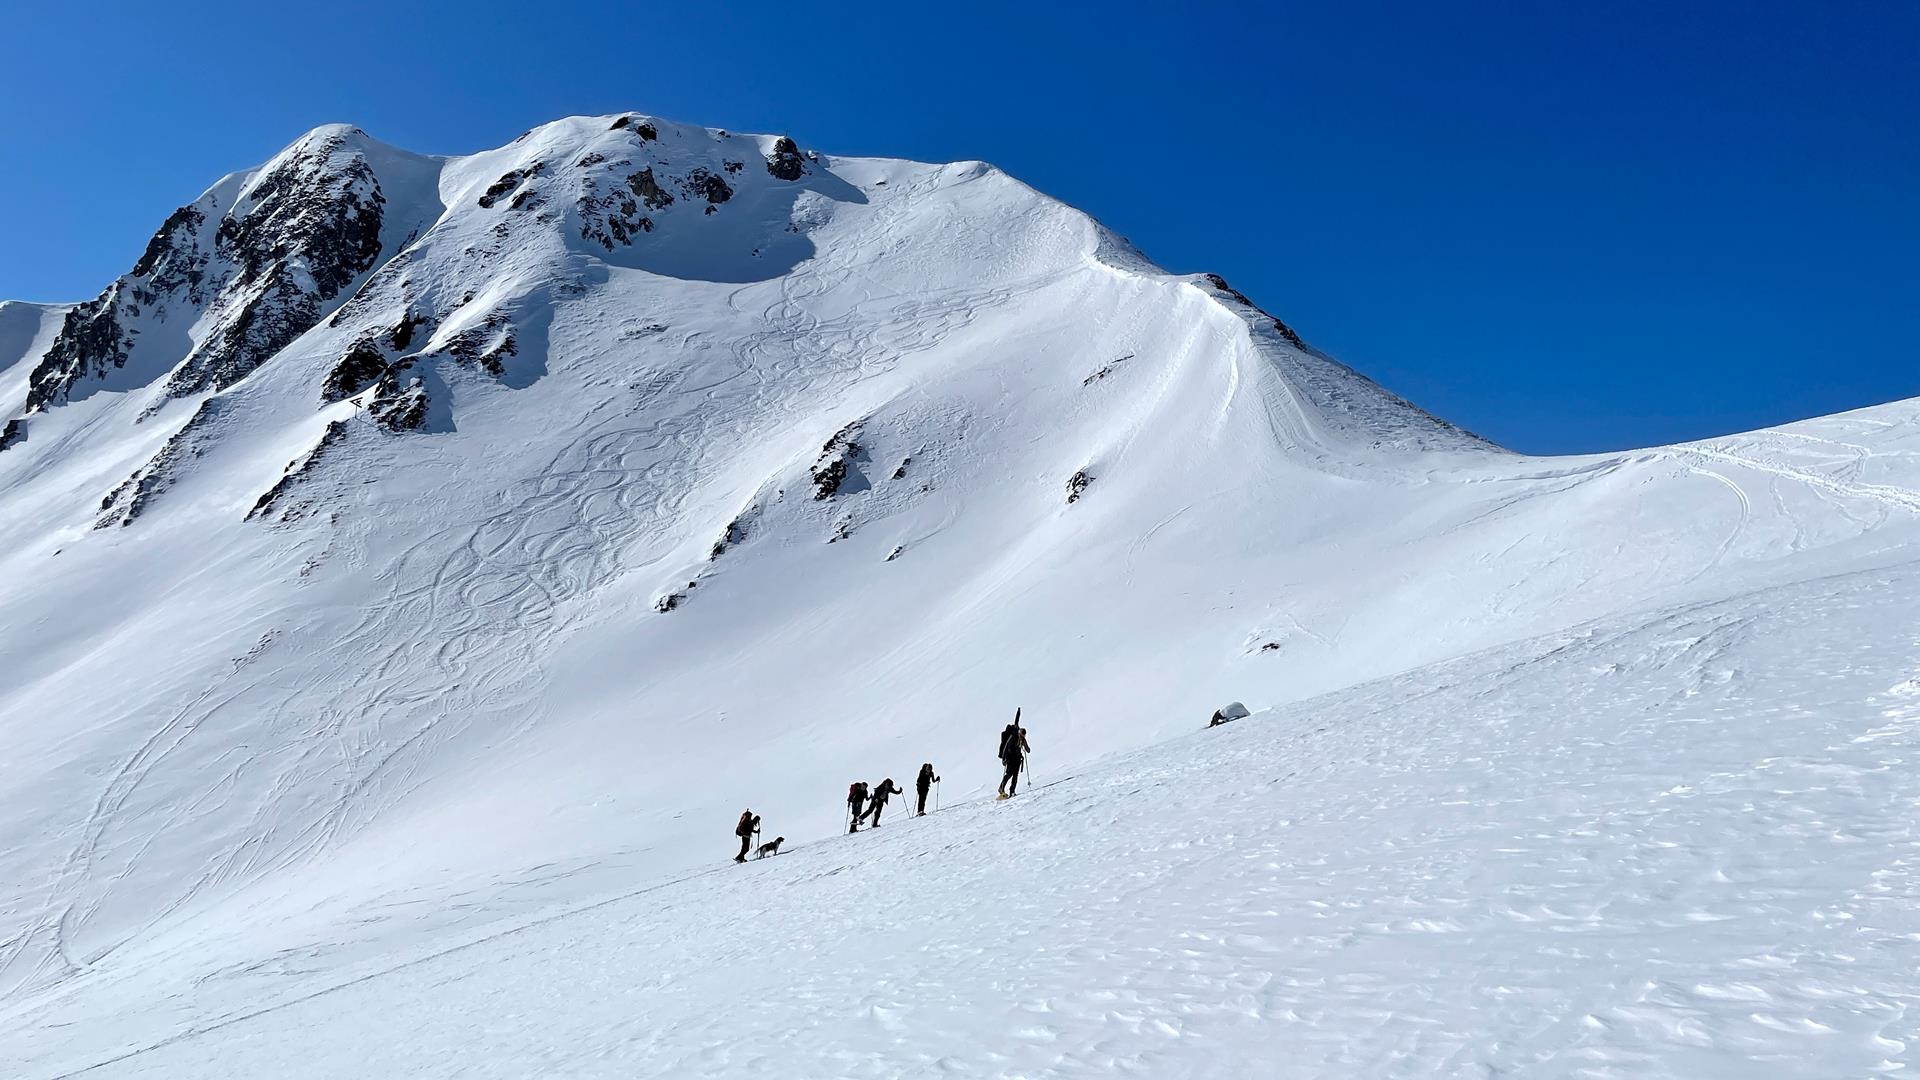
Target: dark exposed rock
x=706 y=185
x=165 y=244
x=785 y=163
x=131 y=498
x=1220 y=283
x=615 y=218
x=403 y=332
x=1105 y=370
x=900 y=471
x=524 y=199
x=736 y=533
x=90 y=342
x=95 y=337
x=508 y=182
x=828 y=477
x=649 y=189
x=1283 y=329
x=400 y=410
x=13 y=433
x=362 y=366
x=487 y=345
x=831 y=470
x=589 y=159
x=306 y=231
x=1077 y=485
x=297 y=472
x=1286 y=331
x=668 y=602
x=494 y=360
x=732 y=168
x=640 y=127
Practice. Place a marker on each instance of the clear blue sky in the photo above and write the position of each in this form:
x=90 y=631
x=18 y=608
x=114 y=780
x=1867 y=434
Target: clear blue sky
x=1568 y=227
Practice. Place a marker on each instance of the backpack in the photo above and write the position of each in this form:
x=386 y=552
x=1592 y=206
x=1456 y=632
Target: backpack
x=745 y=828
x=1010 y=742
x=857 y=791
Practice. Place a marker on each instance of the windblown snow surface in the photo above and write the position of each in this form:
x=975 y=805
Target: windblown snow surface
x=413 y=566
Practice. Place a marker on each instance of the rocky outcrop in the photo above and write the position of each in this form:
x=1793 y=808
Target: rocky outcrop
x=13 y=433
x=305 y=231
x=1077 y=485
x=736 y=532
x=399 y=409
x=98 y=337
x=616 y=218
x=257 y=275
x=361 y=367
x=510 y=183
x=642 y=128
x=1240 y=298
x=136 y=493
x=649 y=190
x=1105 y=370
x=786 y=161
x=487 y=346
x=836 y=458
x=276 y=500
x=704 y=184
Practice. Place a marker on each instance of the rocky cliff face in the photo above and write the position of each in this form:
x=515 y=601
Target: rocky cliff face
x=229 y=279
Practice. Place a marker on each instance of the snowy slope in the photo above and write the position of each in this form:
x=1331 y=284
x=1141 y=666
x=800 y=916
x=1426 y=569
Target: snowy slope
x=26 y=333
x=410 y=548
x=1677 y=845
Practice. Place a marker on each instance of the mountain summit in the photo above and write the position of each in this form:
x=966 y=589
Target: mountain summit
x=482 y=533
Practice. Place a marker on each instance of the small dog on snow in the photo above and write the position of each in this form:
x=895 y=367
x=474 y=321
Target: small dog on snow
x=771 y=847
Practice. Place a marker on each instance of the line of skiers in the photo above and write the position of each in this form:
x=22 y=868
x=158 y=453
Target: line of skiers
x=866 y=804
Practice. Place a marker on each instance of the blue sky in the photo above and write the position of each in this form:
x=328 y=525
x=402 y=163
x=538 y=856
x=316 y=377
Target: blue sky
x=1567 y=227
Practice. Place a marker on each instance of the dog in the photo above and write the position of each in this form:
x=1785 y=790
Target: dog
x=771 y=847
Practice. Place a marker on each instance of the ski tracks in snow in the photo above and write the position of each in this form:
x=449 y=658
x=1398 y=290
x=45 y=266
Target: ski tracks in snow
x=454 y=643
x=1516 y=863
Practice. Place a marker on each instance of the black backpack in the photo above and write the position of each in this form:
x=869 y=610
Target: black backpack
x=1010 y=743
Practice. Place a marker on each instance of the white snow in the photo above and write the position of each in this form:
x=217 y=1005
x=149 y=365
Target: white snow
x=26 y=332
x=1585 y=766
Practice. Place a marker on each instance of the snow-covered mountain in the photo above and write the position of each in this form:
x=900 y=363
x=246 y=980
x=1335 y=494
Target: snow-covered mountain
x=412 y=565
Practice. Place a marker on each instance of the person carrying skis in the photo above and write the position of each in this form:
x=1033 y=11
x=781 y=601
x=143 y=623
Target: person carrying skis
x=1013 y=754
x=924 y=783
x=749 y=824
x=856 y=802
x=887 y=787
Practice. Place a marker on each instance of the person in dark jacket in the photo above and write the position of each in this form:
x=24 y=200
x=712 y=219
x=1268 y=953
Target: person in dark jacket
x=923 y=784
x=1013 y=754
x=856 y=803
x=749 y=824
x=879 y=799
